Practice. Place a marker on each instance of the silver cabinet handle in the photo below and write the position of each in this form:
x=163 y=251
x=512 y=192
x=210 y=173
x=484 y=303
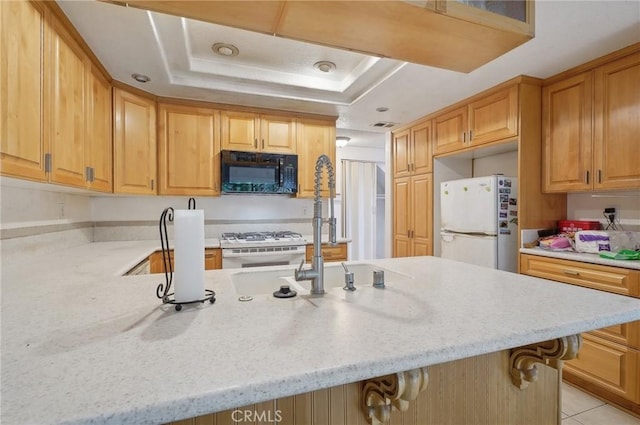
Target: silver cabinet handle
x=151 y=184
x=464 y=137
x=587 y=176
x=470 y=135
x=571 y=272
x=599 y=176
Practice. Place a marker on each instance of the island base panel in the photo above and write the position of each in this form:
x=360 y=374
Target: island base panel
x=476 y=390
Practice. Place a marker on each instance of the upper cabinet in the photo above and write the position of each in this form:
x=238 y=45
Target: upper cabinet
x=490 y=118
x=99 y=136
x=252 y=132
x=134 y=143
x=591 y=121
x=188 y=150
x=66 y=84
x=566 y=121
x=22 y=143
x=56 y=106
x=616 y=148
x=315 y=137
x=459 y=37
x=411 y=150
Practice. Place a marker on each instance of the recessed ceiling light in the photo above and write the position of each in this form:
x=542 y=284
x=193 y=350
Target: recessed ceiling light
x=382 y=109
x=341 y=141
x=324 y=66
x=140 y=78
x=224 y=49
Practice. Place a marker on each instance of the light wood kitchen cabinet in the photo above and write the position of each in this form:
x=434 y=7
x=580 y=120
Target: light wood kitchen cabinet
x=22 y=141
x=411 y=150
x=66 y=84
x=336 y=252
x=212 y=260
x=608 y=363
x=315 y=137
x=413 y=220
x=617 y=124
x=99 y=138
x=591 y=121
x=188 y=150
x=253 y=132
x=134 y=143
x=490 y=118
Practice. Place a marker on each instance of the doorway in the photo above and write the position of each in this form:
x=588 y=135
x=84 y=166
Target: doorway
x=362 y=208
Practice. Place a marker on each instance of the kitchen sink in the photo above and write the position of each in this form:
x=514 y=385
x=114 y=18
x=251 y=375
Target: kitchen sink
x=256 y=282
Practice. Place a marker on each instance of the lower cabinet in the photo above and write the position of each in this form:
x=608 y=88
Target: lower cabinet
x=330 y=252
x=412 y=215
x=212 y=260
x=608 y=364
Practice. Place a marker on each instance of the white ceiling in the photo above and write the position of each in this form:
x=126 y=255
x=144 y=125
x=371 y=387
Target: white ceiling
x=277 y=73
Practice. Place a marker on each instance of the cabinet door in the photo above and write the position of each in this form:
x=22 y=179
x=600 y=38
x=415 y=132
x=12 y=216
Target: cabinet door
x=610 y=366
x=239 y=131
x=421 y=148
x=212 y=258
x=188 y=150
x=617 y=124
x=494 y=117
x=450 y=131
x=22 y=143
x=66 y=80
x=99 y=142
x=402 y=217
x=566 y=123
x=315 y=137
x=277 y=134
x=134 y=144
x=422 y=207
x=401 y=151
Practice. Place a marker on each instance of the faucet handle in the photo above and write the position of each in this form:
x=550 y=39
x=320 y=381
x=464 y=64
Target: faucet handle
x=346 y=270
x=301 y=265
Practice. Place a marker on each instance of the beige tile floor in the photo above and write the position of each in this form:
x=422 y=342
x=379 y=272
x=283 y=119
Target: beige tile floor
x=579 y=408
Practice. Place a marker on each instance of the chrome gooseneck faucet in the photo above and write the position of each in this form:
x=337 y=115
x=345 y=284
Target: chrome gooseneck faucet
x=316 y=273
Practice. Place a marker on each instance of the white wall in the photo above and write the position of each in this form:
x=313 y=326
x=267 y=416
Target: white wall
x=503 y=163
x=589 y=206
x=25 y=204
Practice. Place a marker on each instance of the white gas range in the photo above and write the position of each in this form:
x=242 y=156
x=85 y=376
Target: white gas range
x=254 y=249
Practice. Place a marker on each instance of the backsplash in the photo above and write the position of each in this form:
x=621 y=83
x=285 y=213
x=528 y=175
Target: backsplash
x=589 y=206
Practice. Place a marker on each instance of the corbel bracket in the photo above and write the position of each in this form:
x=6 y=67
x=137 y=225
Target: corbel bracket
x=381 y=395
x=522 y=361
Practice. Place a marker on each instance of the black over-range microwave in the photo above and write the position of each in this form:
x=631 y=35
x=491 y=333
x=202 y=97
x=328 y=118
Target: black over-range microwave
x=256 y=172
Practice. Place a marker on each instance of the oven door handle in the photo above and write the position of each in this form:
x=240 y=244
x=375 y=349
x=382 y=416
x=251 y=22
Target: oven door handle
x=230 y=254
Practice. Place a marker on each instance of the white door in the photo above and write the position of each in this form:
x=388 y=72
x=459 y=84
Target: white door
x=469 y=205
x=478 y=250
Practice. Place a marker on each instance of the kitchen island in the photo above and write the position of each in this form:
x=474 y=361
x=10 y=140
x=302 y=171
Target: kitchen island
x=83 y=344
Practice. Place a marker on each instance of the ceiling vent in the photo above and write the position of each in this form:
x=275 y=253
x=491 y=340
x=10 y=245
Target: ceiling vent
x=383 y=124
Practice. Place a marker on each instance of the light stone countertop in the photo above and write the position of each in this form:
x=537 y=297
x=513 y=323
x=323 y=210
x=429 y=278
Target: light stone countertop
x=83 y=345
x=582 y=257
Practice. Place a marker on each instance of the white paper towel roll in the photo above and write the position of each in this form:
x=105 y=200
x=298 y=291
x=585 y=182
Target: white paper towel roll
x=188 y=278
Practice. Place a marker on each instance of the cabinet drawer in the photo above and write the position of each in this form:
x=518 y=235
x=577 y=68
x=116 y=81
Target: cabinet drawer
x=626 y=334
x=605 y=278
x=330 y=253
x=611 y=366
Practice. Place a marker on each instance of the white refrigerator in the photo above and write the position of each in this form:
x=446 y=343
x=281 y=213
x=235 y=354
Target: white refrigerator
x=479 y=221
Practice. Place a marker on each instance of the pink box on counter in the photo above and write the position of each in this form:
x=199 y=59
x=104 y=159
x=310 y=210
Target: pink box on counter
x=577 y=225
